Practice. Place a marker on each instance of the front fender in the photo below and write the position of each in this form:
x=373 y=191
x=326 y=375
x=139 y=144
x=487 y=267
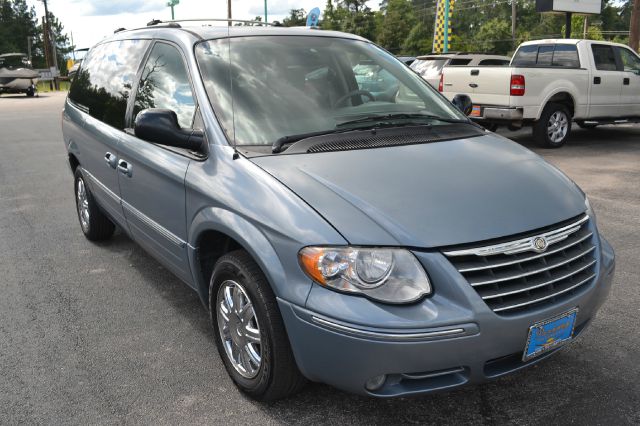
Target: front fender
x=288 y=286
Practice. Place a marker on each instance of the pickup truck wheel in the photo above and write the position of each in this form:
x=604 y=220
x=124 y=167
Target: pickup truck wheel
x=95 y=225
x=249 y=330
x=554 y=126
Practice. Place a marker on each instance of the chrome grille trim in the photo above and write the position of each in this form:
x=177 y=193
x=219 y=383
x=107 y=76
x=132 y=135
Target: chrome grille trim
x=529 y=302
x=555 y=280
x=524 y=244
x=510 y=280
x=537 y=271
x=534 y=257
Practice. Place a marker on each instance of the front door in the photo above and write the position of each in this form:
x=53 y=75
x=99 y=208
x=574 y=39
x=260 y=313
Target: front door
x=152 y=176
x=630 y=98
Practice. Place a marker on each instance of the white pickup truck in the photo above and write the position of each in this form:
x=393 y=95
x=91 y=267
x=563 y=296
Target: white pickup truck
x=549 y=84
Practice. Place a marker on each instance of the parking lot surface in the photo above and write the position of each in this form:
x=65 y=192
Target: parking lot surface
x=101 y=333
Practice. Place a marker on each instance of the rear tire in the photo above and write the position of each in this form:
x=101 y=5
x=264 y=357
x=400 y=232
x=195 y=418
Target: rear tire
x=253 y=344
x=554 y=126
x=94 y=224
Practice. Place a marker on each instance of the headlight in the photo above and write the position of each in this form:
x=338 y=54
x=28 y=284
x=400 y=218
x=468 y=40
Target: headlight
x=386 y=275
x=590 y=212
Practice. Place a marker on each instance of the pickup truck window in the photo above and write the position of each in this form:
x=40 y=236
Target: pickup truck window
x=547 y=55
x=494 y=62
x=604 y=58
x=459 y=62
x=629 y=60
x=566 y=56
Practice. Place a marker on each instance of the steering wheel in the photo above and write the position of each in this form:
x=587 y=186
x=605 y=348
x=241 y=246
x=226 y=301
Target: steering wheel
x=354 y=93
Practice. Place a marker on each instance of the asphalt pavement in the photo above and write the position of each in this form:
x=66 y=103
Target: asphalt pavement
x=102 y=334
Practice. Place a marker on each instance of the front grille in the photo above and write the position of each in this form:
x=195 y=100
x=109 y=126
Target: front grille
x=514 y=276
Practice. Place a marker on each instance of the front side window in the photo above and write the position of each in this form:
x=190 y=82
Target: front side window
x=630 y=61
x=604 y=58
x=103 y=84
x=165 y=84
x=266 y=88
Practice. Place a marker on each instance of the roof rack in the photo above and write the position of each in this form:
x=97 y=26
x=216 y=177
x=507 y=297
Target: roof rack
x=175 y=23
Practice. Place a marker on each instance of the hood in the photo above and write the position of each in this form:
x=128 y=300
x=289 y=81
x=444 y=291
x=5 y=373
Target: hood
x=430 y=195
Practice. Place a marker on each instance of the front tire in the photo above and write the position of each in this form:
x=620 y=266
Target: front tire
x=30 y=92
x=249 y=330
x=554 y=126
x=94 y=224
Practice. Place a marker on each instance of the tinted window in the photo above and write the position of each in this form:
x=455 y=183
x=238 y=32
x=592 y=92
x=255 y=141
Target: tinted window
x=630 y=61
x=604 y=58
x=566 y=56
x=428 y=67
x=165 y=84
x=103 y=84
x=458 y=61
x=493 y=62
x=525 y=56
x=545 y=55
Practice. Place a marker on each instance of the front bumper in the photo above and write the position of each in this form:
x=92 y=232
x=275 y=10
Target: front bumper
x=457 y=344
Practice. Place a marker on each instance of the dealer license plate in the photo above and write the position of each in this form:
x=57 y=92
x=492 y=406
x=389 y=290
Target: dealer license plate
x=549 y=334
x=475 y=111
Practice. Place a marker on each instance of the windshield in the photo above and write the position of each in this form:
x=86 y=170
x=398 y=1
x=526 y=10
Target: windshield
x=265 y=88
x=428 y=67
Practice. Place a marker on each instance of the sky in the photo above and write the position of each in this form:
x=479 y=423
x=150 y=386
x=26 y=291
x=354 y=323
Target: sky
x=89 y=21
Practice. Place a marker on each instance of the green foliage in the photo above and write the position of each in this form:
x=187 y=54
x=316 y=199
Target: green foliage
x=397 y=23
x=296 y=18
x=477 y=25
x=18 y=22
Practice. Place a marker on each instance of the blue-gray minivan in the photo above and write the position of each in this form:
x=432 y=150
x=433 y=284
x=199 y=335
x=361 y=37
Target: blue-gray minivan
x=377 y=241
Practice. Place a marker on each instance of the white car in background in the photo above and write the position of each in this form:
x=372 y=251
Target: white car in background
x=430 y=67
x=551 y=83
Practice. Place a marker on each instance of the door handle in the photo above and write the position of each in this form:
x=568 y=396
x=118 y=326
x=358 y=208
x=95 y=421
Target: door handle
x=475 y=72
x=124 y=168
x=596 y=80
x=111 y=160
x=473 y=85
x=625 y=81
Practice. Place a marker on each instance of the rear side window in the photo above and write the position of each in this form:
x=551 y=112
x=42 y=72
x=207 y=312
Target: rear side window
x=526 y=56
x=566 y=56
x=165 y=84
x=604 y=58
x=103 y=84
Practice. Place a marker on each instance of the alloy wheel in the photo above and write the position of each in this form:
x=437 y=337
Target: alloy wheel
x=239 y=329
x=558 y=126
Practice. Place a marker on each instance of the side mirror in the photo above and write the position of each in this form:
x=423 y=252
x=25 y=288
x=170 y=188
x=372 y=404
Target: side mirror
x=463 y=103
x=161 y=126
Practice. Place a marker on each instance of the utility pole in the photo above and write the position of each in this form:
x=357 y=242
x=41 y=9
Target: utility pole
x=265 y=12
x=634 y=30
x=567 y=28
x=229 y=11
x=513 y=23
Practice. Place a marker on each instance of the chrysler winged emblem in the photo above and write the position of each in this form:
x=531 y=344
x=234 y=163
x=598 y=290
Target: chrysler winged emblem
x=539 y=244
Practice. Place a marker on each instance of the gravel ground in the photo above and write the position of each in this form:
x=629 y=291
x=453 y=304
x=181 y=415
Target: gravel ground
x=102 y=334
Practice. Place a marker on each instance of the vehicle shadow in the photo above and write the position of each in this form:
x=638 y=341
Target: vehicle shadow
x=600 y=140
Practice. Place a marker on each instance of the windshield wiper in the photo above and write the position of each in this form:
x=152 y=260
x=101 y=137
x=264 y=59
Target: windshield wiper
x=278 y=145
x=378 y=119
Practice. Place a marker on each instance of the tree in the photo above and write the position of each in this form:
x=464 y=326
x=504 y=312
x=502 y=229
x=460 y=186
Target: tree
x=397 y=23
x=296 y=18
x=419 y=41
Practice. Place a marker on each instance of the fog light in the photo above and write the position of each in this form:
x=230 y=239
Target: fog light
x=375 y=383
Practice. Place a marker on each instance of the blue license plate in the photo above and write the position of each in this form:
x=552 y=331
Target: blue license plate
x=550 y=334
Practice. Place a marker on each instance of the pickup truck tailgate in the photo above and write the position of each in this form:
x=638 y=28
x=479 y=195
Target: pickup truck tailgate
x=484 y=85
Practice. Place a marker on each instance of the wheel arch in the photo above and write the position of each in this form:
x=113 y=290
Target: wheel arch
x=563 y=97
x=215 y=232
